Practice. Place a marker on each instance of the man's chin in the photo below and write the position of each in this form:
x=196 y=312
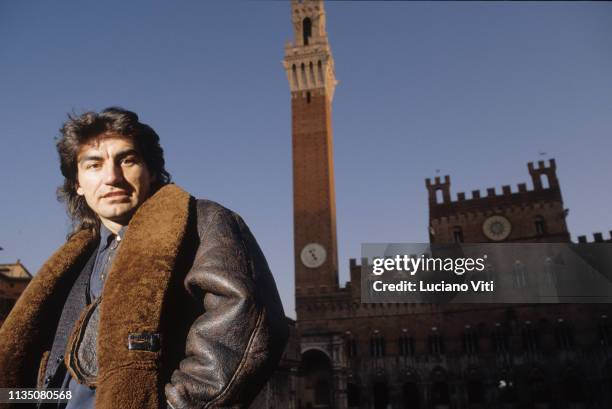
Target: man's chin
x=121 y=215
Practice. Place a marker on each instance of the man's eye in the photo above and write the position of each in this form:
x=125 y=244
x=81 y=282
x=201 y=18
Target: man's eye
x=129 y=161
x=92 y=165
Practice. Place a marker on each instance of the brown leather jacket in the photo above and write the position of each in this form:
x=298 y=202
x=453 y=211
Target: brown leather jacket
x=190 y=315
x=234 y=345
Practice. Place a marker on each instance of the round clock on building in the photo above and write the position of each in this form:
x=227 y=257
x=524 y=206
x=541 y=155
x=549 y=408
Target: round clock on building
x=313 y=255
x=497 y=228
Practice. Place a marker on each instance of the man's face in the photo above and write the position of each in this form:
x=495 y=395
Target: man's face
x=113 y=177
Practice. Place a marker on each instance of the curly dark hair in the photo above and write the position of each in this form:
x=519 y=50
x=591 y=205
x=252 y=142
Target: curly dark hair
x=78 y=130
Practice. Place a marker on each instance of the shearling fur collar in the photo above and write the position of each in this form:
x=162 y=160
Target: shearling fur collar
x=133 y=302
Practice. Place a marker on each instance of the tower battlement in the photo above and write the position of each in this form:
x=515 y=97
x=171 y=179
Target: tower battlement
x=440 y=195
x=533 y=214
x=308 y=62
x=597 y=238
x=353 y=264
x=543 y=174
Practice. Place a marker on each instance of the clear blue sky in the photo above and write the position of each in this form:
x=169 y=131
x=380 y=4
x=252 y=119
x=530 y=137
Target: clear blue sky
x=473 y=89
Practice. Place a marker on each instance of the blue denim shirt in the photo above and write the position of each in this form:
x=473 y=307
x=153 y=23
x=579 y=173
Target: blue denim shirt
x=83 y=397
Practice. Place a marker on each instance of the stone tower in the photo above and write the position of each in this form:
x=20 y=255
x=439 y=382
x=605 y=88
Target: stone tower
x=310 y=70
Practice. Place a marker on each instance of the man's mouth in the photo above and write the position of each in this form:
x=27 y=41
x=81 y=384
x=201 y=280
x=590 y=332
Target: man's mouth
x=115 y=194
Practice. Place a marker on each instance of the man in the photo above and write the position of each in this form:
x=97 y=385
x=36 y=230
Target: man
x=156 y=300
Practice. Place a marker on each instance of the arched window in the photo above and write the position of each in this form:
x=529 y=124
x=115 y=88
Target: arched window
x=531 y=342
x=605 y=331
x=564 y=335
x=549 y=270
x=501 y=342
x=520 y=275
x=306 y=29
x=435 y=343
x=377 y=345
x=439 y=196
x=540 y=226
x=406 y=345
x=315 y=374
x=470 y=340
x=457 y=234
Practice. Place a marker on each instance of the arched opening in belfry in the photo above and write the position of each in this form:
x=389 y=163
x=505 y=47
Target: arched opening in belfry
x=306 y=29
x=303 y=69
x=439 y=196
x=313 y=79
x=295 y=77
x=381 y=395
x=320 y=71
x=315 y=380
x=411 y=396
x=545 y=181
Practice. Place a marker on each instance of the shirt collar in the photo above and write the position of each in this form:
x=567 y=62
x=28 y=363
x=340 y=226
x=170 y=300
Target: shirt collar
x=107 y=236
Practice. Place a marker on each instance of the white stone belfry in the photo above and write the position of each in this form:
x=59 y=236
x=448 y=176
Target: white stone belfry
x=308 y=60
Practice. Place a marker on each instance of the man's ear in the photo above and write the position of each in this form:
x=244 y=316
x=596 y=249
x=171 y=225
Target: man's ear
x=79 y=189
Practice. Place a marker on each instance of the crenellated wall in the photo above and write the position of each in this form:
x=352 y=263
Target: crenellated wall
x=522 y=207
x=597 y=238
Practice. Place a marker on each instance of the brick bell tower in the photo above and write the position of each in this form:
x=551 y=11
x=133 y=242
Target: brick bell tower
x=310 y=70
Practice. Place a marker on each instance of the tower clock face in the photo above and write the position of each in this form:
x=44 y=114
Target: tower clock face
x=497 y=228
x=313 y=255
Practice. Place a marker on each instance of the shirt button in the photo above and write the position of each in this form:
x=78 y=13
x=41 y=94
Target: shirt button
x=48 y=379
x=59 y=359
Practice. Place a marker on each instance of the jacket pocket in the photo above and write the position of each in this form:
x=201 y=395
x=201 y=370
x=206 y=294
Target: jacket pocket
x=40 y=379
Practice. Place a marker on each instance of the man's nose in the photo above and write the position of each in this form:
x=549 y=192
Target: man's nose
x=113 y=174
